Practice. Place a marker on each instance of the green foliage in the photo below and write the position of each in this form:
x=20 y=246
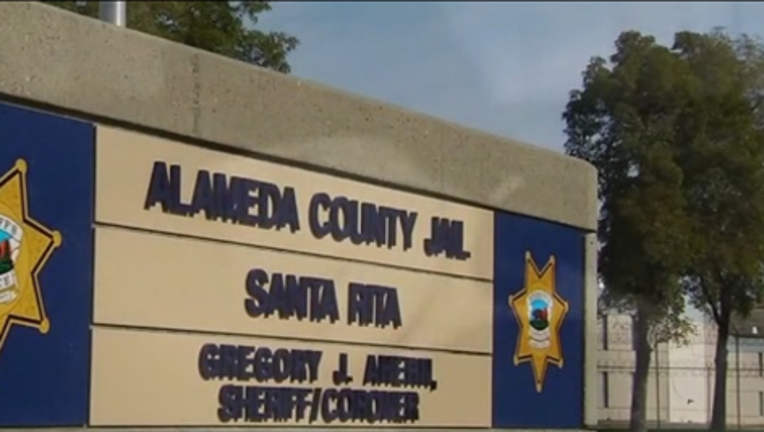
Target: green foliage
x=224 y=28
x=622 y=122
x=722 y=149
x=676 y=134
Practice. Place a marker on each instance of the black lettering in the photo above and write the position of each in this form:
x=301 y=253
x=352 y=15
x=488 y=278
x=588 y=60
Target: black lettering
x=203 y=199
x=408 y=220
x=230 y=403
x=288 y=216
x=258 y=404
x=329 y=405
x=351 y=405
x=235 y=200
x=208 y=366
x=282 y=365
x=371 y=371
x=411 y=406
x=396 y=371
x=373 y=224
x=257 y=303
x=318 y=227
x=254 y=401
x=290 y=296
x=263 y=371
x=159 y=188
x=373 y=305
x=263 y=364
x=446 y=236
x=360 y=222
x=229 y=361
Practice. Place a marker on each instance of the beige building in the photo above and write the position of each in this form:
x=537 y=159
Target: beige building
x=680 y=386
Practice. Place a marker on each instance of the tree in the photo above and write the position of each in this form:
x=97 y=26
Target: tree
x=622 y=121
x=721 y=146
x=677 y=135
x=224 y=28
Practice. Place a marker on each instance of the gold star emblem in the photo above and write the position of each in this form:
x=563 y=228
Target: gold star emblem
x=539 y=311
x=25 y=246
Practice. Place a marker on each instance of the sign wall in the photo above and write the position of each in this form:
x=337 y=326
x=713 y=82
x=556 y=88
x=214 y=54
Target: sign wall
x=148 y=282
x=46 y=268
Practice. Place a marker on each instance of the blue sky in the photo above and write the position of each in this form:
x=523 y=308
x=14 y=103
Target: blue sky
x=504 y=67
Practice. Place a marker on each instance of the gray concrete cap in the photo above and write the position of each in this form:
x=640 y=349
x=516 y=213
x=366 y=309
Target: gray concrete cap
x=78 y=65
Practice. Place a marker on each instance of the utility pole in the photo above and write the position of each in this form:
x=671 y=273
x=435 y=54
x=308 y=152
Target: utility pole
x=658 y=384
x=114 y=12
x=737 y=380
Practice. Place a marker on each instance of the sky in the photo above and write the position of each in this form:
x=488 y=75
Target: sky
x=503 y=67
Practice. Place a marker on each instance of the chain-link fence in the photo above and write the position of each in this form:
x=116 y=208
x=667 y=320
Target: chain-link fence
x=681 y=380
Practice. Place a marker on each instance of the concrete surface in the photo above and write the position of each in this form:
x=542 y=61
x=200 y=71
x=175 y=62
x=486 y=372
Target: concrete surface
x=119 y=76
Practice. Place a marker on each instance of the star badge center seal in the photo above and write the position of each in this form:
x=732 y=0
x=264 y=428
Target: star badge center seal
x=540 y=312
x=25 y=246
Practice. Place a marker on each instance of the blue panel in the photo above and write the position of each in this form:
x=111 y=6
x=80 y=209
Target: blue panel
x=47 y=165
x=538 y=329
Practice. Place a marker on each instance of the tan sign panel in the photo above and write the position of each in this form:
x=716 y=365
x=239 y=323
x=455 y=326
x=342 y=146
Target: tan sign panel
x=156 y=184
x=162 y=281
x=143 y=378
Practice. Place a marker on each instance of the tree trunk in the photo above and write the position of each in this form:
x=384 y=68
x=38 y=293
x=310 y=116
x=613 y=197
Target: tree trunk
x=719 y=408
x=638 y=418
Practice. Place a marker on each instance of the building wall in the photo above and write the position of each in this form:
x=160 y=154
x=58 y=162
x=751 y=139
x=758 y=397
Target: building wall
x=681 y=379
x=616 y=368
x=156 y=197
